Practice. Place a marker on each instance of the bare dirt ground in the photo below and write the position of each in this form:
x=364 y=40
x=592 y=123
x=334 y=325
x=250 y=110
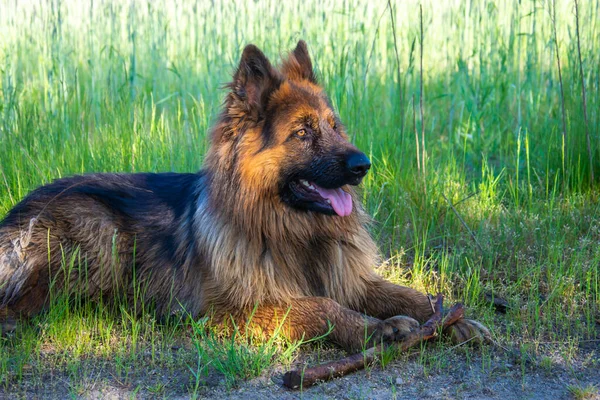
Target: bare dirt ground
x=454 y=373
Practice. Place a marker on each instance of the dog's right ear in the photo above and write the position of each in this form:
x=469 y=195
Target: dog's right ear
x=254 y=80
x=298 y=65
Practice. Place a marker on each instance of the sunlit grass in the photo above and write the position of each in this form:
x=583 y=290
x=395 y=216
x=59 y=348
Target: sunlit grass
x=583 y=392
x=135 y=86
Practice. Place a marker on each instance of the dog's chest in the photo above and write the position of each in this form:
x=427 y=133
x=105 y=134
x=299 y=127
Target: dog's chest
x=324 y=266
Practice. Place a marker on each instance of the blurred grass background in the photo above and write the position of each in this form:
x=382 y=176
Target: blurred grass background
x=90 y=86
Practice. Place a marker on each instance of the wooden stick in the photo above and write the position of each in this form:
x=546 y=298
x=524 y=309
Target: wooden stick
x=297 y=379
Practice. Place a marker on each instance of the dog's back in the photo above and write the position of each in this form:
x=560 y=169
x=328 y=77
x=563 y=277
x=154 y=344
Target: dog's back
x=103 y=221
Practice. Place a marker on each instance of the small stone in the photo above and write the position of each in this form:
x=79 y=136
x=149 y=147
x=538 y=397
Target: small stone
x=399 y=381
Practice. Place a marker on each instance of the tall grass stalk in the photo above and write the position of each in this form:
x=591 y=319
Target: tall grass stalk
x=583 y=99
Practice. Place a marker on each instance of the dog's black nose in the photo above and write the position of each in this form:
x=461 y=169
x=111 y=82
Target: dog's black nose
x=358 y=163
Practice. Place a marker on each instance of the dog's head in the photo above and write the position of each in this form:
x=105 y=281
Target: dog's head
x=280 y=135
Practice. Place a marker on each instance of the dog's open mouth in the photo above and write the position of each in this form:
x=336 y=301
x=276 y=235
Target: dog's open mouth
x=329 y=201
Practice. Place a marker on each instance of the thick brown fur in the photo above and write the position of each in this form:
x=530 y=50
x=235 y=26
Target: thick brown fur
x=227 y=240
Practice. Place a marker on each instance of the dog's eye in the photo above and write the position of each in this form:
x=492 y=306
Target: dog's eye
x=301 y=133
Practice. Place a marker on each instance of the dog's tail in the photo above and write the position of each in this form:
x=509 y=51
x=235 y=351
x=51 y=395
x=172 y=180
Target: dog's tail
x=14 y=265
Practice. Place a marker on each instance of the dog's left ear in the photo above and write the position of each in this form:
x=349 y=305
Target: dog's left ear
x=298 y=65
x=254 y=80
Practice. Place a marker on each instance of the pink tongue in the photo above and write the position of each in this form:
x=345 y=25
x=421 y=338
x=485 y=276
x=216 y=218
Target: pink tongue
x=340 y=200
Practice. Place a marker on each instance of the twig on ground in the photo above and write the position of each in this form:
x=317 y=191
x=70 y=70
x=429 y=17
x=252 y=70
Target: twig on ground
x=297 y=379
x=462 y=221
x=461 y=344
x=475 y=193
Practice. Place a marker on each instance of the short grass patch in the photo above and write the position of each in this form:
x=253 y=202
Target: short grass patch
x=584 y=392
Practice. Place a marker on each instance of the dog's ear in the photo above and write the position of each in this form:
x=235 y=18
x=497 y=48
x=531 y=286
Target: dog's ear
x=254 y=80
x=298 y=65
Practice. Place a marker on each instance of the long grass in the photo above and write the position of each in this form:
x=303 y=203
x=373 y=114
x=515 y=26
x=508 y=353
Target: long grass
x=510 y=207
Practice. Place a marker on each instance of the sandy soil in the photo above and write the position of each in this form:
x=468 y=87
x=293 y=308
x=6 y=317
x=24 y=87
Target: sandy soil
x=458 y=374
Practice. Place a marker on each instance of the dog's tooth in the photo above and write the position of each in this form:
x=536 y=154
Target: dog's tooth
x=311 y=187
x=328 y=201
x=305 y=183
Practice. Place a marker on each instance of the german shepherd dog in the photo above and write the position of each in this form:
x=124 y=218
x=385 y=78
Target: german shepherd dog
x=271 y=226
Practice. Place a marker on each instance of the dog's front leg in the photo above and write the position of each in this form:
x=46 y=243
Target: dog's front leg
x=384 y=299
x=311 y=317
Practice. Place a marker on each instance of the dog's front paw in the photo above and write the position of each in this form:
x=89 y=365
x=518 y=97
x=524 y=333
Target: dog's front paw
x=468 y=330
x=394 y=329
